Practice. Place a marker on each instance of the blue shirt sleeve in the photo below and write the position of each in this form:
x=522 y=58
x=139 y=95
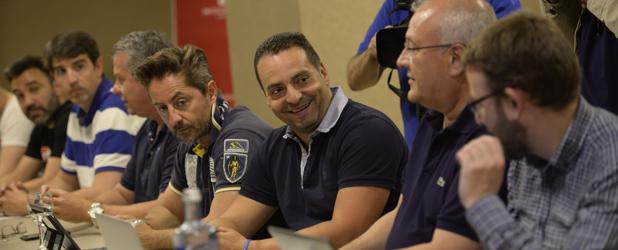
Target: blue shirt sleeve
x=504 y=7
x=383 y=18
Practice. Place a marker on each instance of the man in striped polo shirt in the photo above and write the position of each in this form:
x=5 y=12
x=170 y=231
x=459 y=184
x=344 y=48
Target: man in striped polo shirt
x=100 y=132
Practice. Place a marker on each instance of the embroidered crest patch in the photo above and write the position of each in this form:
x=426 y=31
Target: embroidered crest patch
x=235 y=159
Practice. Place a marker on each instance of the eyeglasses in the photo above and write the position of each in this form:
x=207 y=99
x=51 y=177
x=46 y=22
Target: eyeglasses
x=10 y=230
x=474 y=105
x=429 y=47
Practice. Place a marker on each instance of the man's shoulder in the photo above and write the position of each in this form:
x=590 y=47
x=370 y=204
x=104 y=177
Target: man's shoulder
x=242 y=119
x=356 y=113
x=109 y=101
x=602 y=135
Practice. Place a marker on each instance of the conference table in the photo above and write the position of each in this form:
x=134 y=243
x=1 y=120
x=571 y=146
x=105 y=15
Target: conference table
x=85 y=235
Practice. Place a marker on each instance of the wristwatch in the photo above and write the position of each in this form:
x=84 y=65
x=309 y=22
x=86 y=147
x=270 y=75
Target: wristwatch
x=95 y=208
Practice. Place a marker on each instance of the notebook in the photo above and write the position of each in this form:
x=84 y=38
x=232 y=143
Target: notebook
x=117 y=234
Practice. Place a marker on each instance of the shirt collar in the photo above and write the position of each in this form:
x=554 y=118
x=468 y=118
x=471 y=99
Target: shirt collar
x=103 y=90
x=464 y=123
x=335 y=109
x=218 y=112
x=65 y=107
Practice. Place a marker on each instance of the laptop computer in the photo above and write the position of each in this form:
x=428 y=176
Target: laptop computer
x=118 y=234
x=289 y=240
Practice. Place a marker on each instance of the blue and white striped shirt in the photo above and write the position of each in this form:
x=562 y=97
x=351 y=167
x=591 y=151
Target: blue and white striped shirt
x=100 y=140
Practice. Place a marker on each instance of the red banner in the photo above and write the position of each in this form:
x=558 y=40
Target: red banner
x=202 y=23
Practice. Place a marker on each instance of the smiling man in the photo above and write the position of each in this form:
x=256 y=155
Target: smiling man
x=331 y=171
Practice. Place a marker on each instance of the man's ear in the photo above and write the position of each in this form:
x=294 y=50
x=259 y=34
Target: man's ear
x=514 y=102
x=211 y=90
x=98 y=65
x=456 y=53
x=324 y=73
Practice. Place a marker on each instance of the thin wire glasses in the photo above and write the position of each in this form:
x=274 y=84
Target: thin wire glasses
x=410 y=50
x=10 y=230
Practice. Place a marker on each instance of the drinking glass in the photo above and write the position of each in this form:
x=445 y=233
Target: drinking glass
x=40 y=205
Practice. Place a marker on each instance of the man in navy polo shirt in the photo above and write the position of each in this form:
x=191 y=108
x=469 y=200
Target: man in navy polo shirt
x=218 y=141
x=331 y=171
x=148 y=172
x=430 y=213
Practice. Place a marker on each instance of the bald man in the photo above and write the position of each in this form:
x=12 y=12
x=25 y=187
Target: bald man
x=429 y=213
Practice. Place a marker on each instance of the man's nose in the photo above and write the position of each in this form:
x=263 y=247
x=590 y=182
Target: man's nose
x=293 y=95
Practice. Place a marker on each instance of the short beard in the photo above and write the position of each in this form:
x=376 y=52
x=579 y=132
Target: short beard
x=512 y=135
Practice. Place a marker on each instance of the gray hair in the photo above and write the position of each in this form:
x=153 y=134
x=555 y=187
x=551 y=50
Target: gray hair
x=464 y=20
x=139 y=45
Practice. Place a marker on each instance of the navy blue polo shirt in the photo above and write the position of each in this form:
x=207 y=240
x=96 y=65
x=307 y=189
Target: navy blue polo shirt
x=354 y=145
x=430 y=182
x=149 y=170
x=236 y=134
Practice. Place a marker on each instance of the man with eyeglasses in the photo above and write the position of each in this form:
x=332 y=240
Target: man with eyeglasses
x=429 y=214
x=563 y=180
x=363 y=70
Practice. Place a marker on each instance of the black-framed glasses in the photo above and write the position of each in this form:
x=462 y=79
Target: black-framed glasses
x=10 y=230
x=474 y=105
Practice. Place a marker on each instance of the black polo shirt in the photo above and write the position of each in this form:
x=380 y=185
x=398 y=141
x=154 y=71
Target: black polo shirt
x=354 y=145
x=48 y=140
x=430 y=182
x=222 y=165
x=153 y=156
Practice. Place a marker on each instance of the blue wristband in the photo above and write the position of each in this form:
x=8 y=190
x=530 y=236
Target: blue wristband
x=246 y=247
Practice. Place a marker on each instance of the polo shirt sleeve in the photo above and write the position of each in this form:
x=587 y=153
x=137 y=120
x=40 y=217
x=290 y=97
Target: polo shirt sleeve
x=130 y=173
x=113 y=140
x=372 y=153
x=452 y=215
x=67 y=162
x=34 y=145
x=178 y=181
x=258 y=185
x=232 y=155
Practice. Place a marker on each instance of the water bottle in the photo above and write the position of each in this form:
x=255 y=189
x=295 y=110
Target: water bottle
x=193 y=234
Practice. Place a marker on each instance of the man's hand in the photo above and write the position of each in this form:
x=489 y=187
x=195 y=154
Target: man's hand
x=482 y=169
x=70 y=207
x=14 y=200
x=230 y=239
x=154 y=239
